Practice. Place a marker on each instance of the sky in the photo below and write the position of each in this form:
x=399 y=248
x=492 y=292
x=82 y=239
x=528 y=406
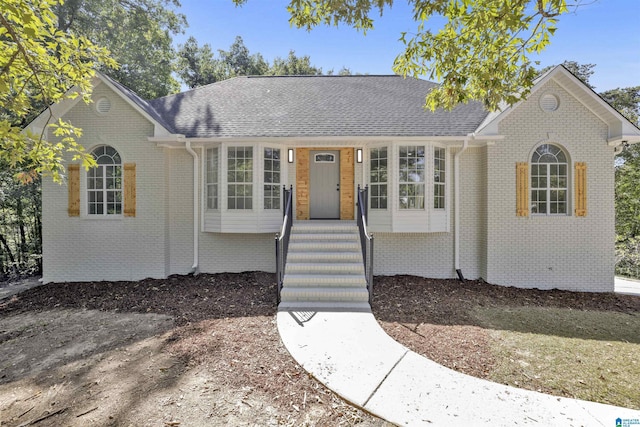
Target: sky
x=601 y=32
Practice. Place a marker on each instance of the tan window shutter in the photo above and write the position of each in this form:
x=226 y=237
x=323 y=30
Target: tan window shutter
x=73 y=184
x=129 y=189
x=522 y=189
x=581 y=188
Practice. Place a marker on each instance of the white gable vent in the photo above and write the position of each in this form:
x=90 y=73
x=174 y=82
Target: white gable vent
x=549 y=102
x=103 y=105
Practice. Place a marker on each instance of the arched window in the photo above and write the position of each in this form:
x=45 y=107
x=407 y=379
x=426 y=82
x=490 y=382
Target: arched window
x=104 y=183
x=549 y=181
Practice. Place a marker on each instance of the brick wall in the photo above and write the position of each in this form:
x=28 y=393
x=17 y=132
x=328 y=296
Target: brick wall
x=420 y=254
x=473 y=212
x=565 y=252
x=88 y=248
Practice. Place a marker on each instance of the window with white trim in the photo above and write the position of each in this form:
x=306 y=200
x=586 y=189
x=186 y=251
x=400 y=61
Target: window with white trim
x=104 y=182
x=212 y=178
x=271 y=178
x=240 y=178
x=411 y=177
x=378 y=173
x=439 y=177
x=549 y=181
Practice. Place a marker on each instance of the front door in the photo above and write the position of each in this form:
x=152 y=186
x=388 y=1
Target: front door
x=324 y=168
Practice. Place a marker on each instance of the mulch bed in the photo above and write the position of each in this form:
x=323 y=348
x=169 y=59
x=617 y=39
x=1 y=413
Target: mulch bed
x=225 y=322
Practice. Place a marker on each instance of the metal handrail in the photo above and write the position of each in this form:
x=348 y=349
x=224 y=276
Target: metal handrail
x=282 y=238
x=366 y=239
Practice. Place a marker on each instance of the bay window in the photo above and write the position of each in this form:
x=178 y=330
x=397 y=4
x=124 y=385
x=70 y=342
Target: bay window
x=212 y=178
x=439 y=166
x=411 y=176
x=240 y=178
x=378 y=172
x=272 y=178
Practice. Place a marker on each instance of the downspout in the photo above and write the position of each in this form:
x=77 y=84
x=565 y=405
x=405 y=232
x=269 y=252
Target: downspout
x=456 y=214
x=194 y=267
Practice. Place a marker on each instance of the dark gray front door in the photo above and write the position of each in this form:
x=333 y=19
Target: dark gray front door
x=324 y=174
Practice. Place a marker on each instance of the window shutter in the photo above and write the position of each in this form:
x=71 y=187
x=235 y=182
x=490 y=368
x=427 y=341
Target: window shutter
x=73 y=184
x=581 y=188
x=522 y=189
x=129 y=189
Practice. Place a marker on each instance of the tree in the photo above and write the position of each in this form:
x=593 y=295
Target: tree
x=39 y=65
x=482 y=52
x=196 y=65
x=627 y=200
x=238 y=62
x=626 y=101
x=293 y=66
x=581 y=71
x=137 y=32
x=20 y=226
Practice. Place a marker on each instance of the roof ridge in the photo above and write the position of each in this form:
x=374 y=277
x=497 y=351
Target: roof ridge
x=256 y=76
x=196 y=88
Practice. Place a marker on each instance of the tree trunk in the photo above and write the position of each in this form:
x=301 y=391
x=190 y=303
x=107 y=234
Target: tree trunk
x=23 y=255
x=7 y=249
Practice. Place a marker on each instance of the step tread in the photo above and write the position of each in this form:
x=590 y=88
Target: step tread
x=324 y=256
x=324 y=306
x=293 y=277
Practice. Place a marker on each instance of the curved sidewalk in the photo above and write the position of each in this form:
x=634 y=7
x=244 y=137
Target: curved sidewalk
x=353 y=356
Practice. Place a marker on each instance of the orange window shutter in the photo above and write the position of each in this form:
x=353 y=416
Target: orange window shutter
x=522 y=189
x=73 y=184
x=129 y=189
x=581 y=188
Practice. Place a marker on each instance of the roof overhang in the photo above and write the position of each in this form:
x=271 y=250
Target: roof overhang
x=177 y=141
x=58 y=110
x=620 y=130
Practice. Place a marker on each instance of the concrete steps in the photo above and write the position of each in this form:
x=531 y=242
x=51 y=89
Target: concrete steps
x=324 y=269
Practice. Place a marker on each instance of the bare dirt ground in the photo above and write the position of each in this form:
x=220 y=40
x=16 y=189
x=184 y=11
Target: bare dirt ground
x=185 y=351
x=205 y=350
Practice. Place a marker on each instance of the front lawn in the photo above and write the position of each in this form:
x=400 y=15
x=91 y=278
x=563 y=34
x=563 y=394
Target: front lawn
x=579 y=345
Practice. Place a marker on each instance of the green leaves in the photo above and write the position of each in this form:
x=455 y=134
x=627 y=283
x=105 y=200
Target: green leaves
x=481 y=52
x=197 y=65
x=137 y=32
x=38 y=66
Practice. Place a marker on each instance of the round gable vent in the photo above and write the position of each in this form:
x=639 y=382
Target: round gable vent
x=549 y=102
x=103 y=105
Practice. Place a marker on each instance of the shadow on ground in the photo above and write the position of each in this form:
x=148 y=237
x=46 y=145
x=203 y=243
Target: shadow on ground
x=595 y=316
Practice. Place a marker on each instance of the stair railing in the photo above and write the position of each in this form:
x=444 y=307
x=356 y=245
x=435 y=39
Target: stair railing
x=366 y=239
x=282 y=238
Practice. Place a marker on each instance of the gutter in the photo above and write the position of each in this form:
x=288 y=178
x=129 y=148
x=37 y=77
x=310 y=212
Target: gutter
x=456 y=226
x=196 y=251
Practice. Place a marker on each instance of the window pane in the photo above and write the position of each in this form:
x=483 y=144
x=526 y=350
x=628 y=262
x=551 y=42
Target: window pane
x=549 y=180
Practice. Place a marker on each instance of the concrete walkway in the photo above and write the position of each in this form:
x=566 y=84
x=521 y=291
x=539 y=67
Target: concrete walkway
x=352 y=355
x=627 y=286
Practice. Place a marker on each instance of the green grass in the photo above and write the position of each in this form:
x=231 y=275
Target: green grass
x=588 y=354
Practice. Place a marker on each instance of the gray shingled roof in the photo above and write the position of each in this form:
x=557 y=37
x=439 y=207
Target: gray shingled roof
x=144 y=105
x=313 y=106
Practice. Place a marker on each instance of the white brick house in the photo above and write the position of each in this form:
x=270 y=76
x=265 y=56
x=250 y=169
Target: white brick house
x=193 y=181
